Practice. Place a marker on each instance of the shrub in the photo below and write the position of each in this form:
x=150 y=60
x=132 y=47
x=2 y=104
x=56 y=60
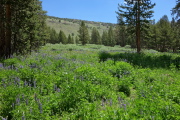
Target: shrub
x=125 y=89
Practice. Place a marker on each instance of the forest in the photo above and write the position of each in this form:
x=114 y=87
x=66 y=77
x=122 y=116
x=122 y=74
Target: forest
x=59 y=68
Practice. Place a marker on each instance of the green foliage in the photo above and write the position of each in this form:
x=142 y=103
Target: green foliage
x=62 y=37
x=111 y=38
x=137 y=14
x=26 y=29
x=95 y=37
x=105 y=38
x=165 y=34
x=83 y=34
x=121 y=33
x=144 y=60
x=125 y=89
x=53 y=36
x=68 y=82
x=70 y=39
x=175 y=10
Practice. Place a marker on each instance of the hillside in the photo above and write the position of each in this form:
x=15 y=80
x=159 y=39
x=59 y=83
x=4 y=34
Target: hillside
x=71 y=26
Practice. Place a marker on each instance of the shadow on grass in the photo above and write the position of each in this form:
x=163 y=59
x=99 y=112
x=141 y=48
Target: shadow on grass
x=143 y=60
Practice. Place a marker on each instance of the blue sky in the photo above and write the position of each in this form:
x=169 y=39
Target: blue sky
x=98 y=10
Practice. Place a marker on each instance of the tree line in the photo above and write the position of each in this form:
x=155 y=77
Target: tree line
x=163 y=36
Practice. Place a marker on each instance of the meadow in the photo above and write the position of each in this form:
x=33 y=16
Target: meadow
x=92 y=82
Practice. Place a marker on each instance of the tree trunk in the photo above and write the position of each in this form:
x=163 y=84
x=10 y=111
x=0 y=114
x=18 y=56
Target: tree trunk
x=8 y=30
x=2 y=31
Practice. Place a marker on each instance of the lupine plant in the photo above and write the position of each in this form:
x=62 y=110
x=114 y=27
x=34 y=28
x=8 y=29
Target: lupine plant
x=90 y=82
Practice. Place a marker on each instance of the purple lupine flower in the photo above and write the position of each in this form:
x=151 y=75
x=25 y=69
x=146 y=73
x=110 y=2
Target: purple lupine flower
x=38 y=100
x=18 y=101
x=30 y=85
x=58 y=89
x=1 y=65
x=23 y=96
x=75 y=77
x=124 y=106
x=21 y=66
x=119 y=99
x=11 y=56
x=102 y=102
x=34 y=82
x=25 y=83
x=110 y=102
x=152 y=118
x=40 y=108
x=3 y=82
x=27 y=101
x=30 y=110
x=55 y=87
x=142 y=94
x=81 y=77
x=13 y=106
x=23 y=117
x=17 y=81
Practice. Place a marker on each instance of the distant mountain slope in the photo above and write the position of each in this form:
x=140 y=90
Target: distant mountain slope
x=71 y=26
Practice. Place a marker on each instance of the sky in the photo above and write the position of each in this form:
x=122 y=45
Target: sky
x=99 y=10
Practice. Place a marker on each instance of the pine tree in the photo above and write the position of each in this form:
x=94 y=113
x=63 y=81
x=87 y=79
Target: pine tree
x=23 y=27
x=111 y=37
x=176 y=35
x=104 y=38
x=62 y=37
x=176 y=9
x=95 y=36
x=83 y=34
x=137 y=14
x=120 y=32
x=70 y=39
x=76 y=40
x=165 y=40
x=152 y=41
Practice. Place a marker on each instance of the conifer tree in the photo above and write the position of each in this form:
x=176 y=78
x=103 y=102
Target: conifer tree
x=95 y=36
x=104 y=38
x=121 y=32
x=165 y=39
x=83 y=34
x=176 y=35
x=152 y=41
x=176 y=10
x=23 y=26
x=62 y=37
x=76 y=40
x=70 y=39
x=137 y=14
x=111 y=37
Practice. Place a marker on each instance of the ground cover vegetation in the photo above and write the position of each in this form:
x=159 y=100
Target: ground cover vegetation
x=90 y=82
x=93 y=73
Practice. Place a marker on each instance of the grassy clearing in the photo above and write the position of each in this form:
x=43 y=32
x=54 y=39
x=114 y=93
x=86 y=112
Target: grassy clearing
x=90 y=82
